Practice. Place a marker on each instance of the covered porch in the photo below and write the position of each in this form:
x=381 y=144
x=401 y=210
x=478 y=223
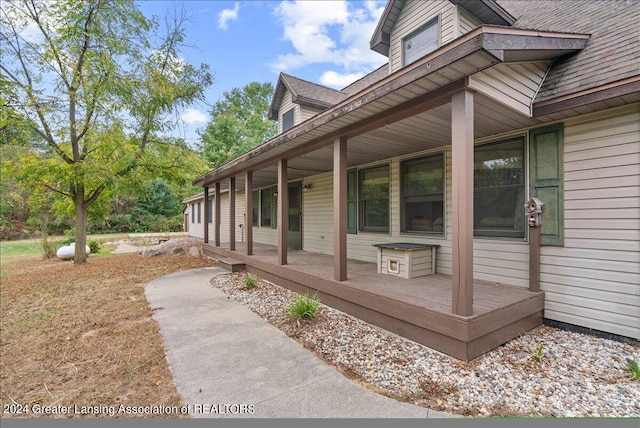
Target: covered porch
x=419 y=308
x=437 y=104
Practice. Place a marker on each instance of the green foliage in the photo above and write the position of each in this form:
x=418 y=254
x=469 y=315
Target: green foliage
x=250 y=282
x=538 y=354
x=633 y=367
x=94 y=246
x=92 y=84
x=239 y=122
x=304 y=307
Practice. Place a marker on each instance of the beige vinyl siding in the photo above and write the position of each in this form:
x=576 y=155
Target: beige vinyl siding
x=415 y=14
x=594 y=280
x=494 y=260
x=514 y=85
x=307 y=113
x=286 y=105
x=466 y=22
x=196 y=230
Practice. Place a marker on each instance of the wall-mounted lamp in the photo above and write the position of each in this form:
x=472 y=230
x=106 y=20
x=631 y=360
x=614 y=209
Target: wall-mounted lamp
x=307 y=186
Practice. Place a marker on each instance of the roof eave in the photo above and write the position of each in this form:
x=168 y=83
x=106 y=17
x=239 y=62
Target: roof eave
x=621 y=88
x=496 y=41
x=487 y=11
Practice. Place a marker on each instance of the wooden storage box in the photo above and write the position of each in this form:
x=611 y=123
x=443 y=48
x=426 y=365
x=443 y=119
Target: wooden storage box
x=406 y=260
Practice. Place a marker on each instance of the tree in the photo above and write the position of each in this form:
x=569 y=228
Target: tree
x=239 y=123
x=88 y=78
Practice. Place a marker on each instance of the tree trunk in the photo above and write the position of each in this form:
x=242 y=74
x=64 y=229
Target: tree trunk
x=80 y=255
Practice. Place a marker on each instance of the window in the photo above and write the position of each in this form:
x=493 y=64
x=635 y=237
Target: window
x=266 y=196
x=210 y=219
x=193 y=213
x=374 y=199
x=422 y=195
x=199 y=213
x=420 y=42
x=287 y=120
x=499 y=193
x=256 y=208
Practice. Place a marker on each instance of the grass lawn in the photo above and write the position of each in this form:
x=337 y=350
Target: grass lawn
x=82 y=335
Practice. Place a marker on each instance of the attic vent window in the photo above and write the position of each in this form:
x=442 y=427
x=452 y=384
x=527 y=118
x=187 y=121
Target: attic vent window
x=287 y=120
x=424 y=40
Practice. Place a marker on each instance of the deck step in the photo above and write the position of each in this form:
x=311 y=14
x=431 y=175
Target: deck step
x=230 y=264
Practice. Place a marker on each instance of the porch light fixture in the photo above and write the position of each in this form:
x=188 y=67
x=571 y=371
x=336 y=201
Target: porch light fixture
x=307 y=186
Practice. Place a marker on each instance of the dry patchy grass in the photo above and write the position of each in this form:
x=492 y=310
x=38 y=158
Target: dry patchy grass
x=83 y=335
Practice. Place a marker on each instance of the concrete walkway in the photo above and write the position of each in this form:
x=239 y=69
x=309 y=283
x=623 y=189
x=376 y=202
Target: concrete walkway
x=229 y=362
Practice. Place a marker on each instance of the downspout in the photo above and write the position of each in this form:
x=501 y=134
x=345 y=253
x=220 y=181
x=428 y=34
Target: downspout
x=535 y=95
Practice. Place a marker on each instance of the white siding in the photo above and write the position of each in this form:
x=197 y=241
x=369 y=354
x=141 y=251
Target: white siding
x=514 y=85
x=413 y=15
x=594 y=280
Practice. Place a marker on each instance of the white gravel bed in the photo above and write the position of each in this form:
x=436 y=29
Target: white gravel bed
x=546 y=372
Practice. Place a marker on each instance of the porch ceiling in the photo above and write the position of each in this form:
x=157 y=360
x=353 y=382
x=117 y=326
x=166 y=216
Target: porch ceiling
x=424 y=131
x=406 y=112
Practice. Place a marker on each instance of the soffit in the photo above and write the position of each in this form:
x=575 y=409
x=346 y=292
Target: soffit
x=476 y=51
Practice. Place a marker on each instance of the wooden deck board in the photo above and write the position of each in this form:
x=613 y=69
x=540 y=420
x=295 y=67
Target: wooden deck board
x=418 y=308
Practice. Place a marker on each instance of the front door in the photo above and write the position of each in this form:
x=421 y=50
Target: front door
x=295 y=216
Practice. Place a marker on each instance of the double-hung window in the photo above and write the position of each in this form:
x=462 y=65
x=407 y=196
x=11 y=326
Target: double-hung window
x=499 y=189
x=422 y=195
x=374 y=199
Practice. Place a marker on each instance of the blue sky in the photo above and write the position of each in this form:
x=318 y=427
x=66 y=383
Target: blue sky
x=243 y=41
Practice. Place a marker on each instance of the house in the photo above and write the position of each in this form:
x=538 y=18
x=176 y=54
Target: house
x=483 y=105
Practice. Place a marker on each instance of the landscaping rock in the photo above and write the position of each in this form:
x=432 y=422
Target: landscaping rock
x=544 y=373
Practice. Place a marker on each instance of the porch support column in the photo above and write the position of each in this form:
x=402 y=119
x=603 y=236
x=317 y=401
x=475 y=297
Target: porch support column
x=206 y=214
x=340 y=209
x=217 y=215
x=462 y=201
x=248 y=193
x=283 y=212
x=232 y=213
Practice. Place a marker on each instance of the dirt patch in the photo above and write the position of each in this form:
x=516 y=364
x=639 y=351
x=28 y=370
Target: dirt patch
x=83 y=335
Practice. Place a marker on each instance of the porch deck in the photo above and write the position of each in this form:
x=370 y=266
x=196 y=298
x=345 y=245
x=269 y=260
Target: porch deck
x=418 y=309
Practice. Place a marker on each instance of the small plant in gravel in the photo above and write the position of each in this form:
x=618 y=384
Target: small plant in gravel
x=250 y=282
x=304 y=307
x=633 y=367
x=538 y=354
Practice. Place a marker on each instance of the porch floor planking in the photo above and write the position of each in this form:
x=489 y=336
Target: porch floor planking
x=496 y=307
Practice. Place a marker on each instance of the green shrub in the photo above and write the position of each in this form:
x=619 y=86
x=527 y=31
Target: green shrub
x=633 y=367
x=250 y=282
x=304 y=307
x=94 y=246
x=48 y=248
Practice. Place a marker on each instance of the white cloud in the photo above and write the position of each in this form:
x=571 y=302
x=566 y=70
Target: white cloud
x=338 y=81
x=228 y=15
x=331 y=32
x=193 y=115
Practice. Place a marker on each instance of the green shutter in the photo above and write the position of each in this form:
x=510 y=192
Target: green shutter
x=546 y=169
x=352 y=201
x=274 y=207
